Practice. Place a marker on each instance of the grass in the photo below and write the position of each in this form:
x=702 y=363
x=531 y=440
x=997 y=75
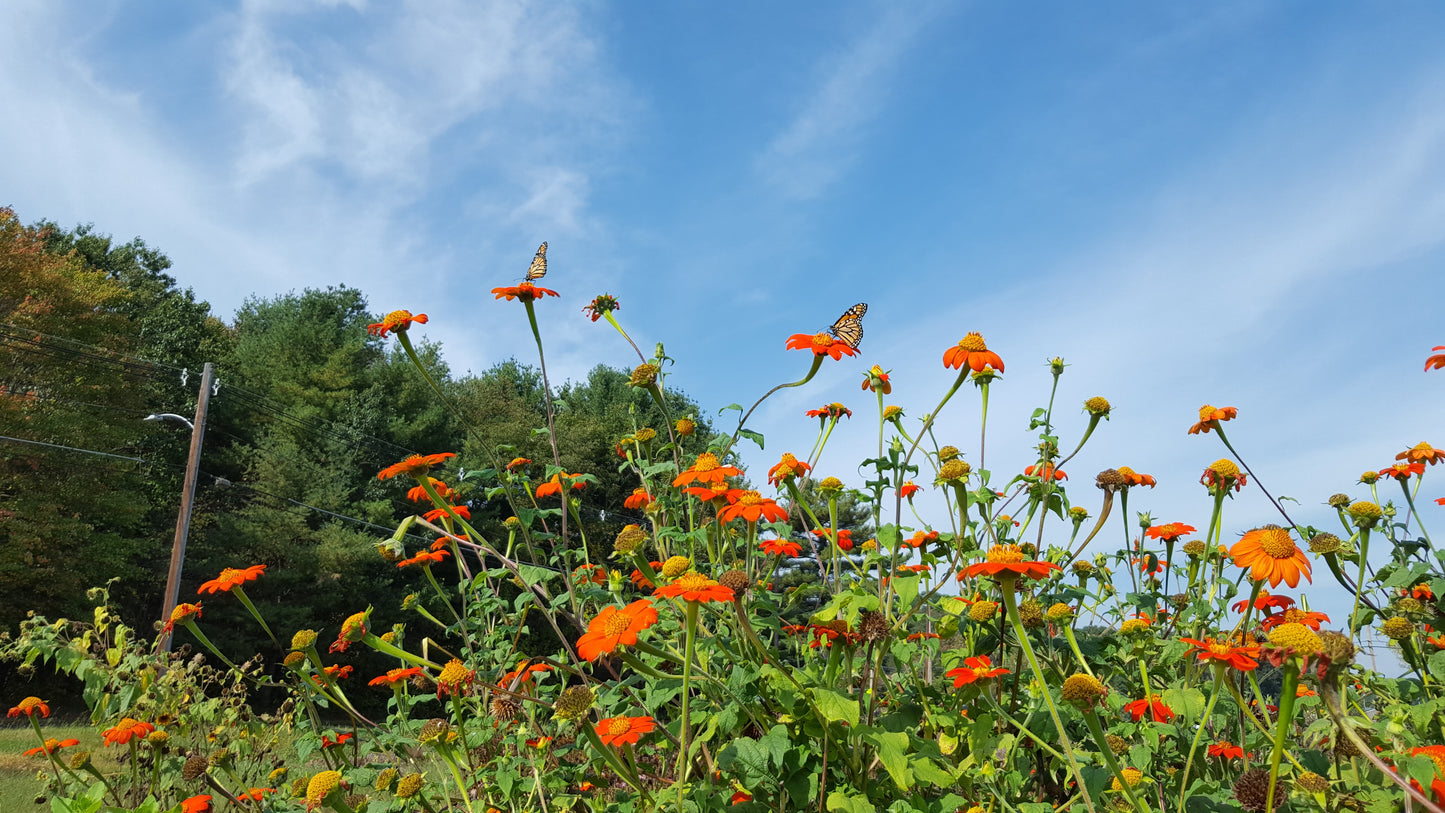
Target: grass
x=18 y=785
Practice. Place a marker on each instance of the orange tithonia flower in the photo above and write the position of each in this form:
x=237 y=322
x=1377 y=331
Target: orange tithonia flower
x=1209 y=418
x=1135 y=479
x=525 y=292
x=553 y=487
x=1151 y=704
x=29 y=707
x=197 y=804
x=436 y=514
x=522 y=674
x=1265 y=602
x=639 y=499
x=908 y=489
x=614 y=627
x=1008 y=562
x=418 y=493
x=1422 y=453
x=877 y=380
x=426 y=558
x=693 y=586
x=231 y=577
x=341 y=739
x=706 y=469
x=126 y=729
x=921 y=539
x=417 y=465
x=181 y=614
x=396 y=321
x=517 y=462
x=1169 y=532
x=1310 y=619
x=455 y=679
x=979 y=668
x=1045 y=472
x=1436 y=362
x=1223 y=474
x=1226 y=750
x=833 y=410
x=353 y=629
x=753 y=506
x=787 y=468
x=395 y=677
x=845 y=537
x=1271 y=555
x=780 y=547
x=51 y=746
x=1403 y=471
x=821 y=344
x=619 y=730
x=1240 y=657
x=972 y=352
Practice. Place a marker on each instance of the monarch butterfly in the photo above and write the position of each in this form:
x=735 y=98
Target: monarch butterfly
x=849 y=327
x=538 y=268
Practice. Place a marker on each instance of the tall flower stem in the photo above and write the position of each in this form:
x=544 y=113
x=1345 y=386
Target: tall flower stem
x=1010 y=602
x=1100 y=740
x=1360 y=581
x=812 y=371
x=1281 y=733
x=683 y=763
x=1203 y=724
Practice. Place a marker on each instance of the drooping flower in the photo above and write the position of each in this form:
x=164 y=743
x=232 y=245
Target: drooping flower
x=834 y=410
x=522 y=675
x=979 y=668
x=231 y=577
x=353 y=629
x=752 y=506
x=197 y=804
x=320 y=787
x=1310 y=619
x=417 y=465
x=618 y=730
x=455 y=679
x=1150 y=564
x=1045 y=472
x=341 y=739
x=396 y=321
x=972 y=352
x=1155 y=707
x=128 y=728
x=29 y=707
x=787 y=468
x=51 y=746
x=706 y=469
x=780 y=547
x=437 y=514
x=614 y=627
x=1271 y=555
x=516 y=463
x=1008 y=561
x=1133 y=478
x=638 y=499
x=844 y=537
x=822 y=344
x=693 y=586
x=1209 y=418
x=1222 y=475
x=1239 y=657
x=1265 y=602
x=553 y=487
x=395 y=677
x=425 y=558
x=526 y=292
x=418 y=493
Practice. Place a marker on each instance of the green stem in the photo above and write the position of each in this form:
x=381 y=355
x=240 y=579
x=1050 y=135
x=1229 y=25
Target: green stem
x=1102 y=743
x=1203 y=723
x=683 y=762
x=1281 y=733
x=1360 y=582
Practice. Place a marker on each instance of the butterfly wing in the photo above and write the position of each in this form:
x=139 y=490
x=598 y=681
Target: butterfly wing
x=849 y=327
x=538 y=268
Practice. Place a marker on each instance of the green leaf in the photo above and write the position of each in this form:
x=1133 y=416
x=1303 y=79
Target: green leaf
x=893 y=753
x=776 y=744
x=929 y=771
x=835 y=706
x=838 y=800
x=755 y=437
x=1187 y=703
x=1436 y=665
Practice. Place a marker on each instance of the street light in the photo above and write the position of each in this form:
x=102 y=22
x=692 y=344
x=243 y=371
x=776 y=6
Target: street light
x=169 y=416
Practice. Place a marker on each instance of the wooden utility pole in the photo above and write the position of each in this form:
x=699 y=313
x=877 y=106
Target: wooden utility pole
x=188 y=499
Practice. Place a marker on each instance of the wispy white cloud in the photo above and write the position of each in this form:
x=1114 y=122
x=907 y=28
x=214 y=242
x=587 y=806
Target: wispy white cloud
x=850 y=89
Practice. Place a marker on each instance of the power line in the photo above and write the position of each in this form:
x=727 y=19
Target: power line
x=76 y=449
x=5 y=326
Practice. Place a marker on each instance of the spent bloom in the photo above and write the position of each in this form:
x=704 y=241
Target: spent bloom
x=603 y=304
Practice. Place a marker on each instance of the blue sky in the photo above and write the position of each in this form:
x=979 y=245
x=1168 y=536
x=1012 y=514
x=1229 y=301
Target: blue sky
x=1234 y=203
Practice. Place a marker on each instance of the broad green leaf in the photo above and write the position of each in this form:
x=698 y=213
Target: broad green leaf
x=893 y=753
x=838 y=800
x=1187 y=703
x=835 y=706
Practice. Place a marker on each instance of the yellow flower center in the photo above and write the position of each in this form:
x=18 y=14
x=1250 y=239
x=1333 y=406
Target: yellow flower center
x=619 y=726
x=1205 y=412
x=707 y=461
x=1425 y=447
x=1082 y=687
x=454 y=673
x=973 y=343
x=675 y=566
x=1224 y=469
x=1219 y=649
x=831 y=484
x=1125 y=470
x=321 y=786
x=1276 y=542
x=694 y=581
x=788 y=460
x=750 y=498
x=396 y=318
x=822 y=340
x=1302 y=638
x=1293 y=615
x=1005 y=554
x=617 y=623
